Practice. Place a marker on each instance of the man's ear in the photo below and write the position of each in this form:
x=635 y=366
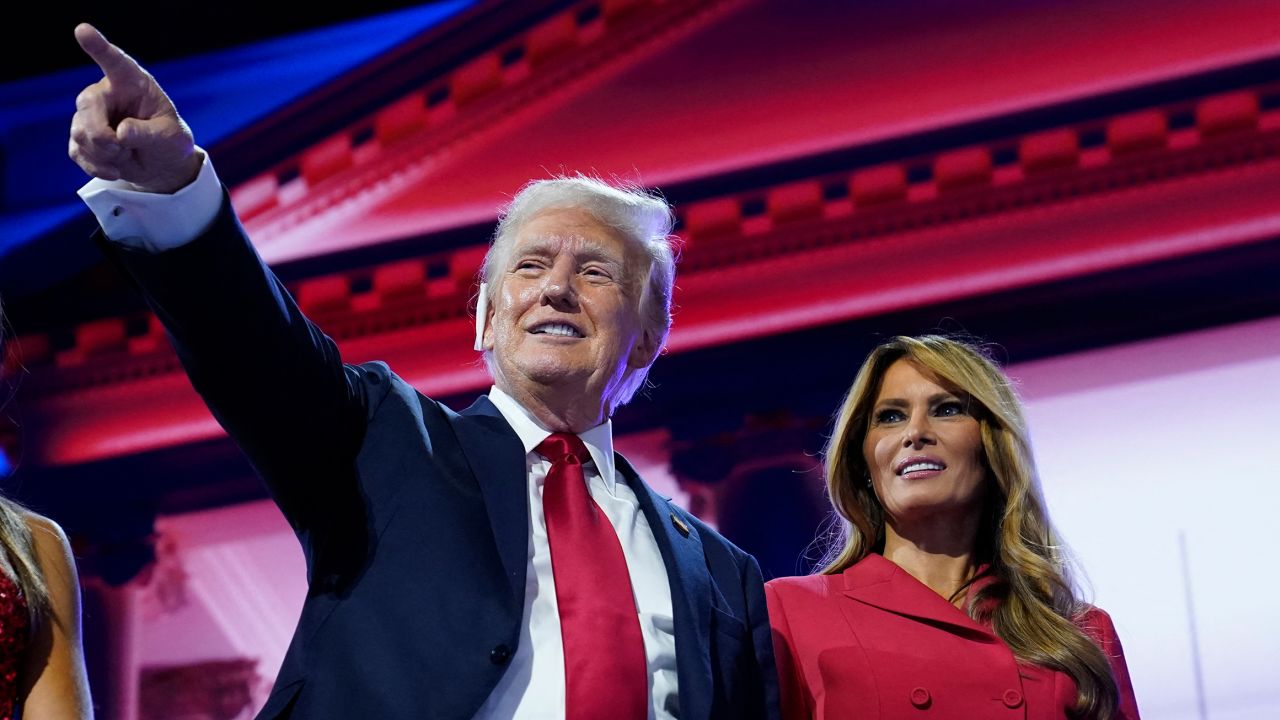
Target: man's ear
x=484 y=320
x=644 y=352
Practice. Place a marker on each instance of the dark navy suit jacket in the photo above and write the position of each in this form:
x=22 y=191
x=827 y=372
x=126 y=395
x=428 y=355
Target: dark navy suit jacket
x=412 y=517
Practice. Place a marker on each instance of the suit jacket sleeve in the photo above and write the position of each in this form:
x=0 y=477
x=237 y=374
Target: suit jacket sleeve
x=761 y=638
x=273 y=380
x=1097 y=624
x=793 y=698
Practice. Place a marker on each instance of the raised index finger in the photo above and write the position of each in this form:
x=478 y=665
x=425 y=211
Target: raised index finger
x=113 y=61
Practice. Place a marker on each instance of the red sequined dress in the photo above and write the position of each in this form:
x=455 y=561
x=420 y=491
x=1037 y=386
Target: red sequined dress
x=15 y=636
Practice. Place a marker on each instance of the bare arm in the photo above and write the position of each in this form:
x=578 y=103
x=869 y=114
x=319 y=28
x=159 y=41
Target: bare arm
x=55 y=684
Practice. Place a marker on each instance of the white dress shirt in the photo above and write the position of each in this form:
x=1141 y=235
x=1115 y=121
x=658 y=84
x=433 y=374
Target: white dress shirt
x=154 y=221
x=533 y=686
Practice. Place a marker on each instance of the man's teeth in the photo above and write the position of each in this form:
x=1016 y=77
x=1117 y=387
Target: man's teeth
x=557 y=329
x=917 y=467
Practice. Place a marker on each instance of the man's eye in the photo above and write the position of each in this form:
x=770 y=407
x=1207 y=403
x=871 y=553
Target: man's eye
x=595 y=272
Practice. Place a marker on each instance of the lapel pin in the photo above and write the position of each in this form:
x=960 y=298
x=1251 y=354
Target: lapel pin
x=679 y=525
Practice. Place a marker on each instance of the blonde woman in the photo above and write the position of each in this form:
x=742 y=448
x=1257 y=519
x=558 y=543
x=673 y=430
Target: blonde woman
x=950 y=593
x=42 y=670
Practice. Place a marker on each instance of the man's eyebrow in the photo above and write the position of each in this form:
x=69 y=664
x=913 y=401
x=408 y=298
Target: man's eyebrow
x=582 y=248
x=593 y=251
x=542 y=244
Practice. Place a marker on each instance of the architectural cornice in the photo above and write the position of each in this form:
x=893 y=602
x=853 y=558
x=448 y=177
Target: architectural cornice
x=1062 y=203
x=402 y=144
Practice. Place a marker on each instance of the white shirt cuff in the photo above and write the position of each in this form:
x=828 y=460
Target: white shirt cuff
x=155 y=222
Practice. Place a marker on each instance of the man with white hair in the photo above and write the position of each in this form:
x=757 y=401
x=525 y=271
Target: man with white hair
x=501 y=562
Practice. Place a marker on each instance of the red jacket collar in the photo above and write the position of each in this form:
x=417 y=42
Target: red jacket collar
x=878 y=582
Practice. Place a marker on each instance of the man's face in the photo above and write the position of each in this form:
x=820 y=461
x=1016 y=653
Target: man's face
x=566 y=314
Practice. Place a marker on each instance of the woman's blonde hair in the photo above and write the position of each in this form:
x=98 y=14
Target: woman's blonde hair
x=20 y=554
x=1032 y=603
x=16 y=543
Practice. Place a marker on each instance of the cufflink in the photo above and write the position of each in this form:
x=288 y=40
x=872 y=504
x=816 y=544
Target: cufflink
x=679 y=525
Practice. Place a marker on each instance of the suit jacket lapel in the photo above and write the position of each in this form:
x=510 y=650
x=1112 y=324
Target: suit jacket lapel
x=877 y=581
x=497 y=459
x=691 y=592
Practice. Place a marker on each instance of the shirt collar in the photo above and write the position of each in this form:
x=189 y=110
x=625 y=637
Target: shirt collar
x=599 y=439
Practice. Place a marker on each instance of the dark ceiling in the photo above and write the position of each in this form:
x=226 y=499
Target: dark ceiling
x=153 y=31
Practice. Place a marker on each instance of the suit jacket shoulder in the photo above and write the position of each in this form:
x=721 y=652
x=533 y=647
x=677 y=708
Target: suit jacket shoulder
x=1097 y=624
x=723 y=646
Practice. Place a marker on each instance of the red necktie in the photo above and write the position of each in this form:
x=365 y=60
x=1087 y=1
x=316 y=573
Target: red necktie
x=604 y=663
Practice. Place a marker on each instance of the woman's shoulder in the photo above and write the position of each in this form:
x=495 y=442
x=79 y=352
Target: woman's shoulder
x=1097 y=624
x=43 y=528
x=870 y=568
x=1089 y=615
x=48 y=541
x=798 y=585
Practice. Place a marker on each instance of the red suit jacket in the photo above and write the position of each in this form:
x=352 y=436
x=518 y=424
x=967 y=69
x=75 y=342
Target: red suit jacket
x=874 y=643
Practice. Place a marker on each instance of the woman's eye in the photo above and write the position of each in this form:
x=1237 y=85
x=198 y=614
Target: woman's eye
x=890 y=415
x=951 y=408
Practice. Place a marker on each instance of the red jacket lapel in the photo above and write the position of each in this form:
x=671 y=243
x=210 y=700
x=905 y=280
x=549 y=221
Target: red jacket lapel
x=878 y=582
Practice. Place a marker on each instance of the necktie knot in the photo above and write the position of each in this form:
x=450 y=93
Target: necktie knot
x=561 y=446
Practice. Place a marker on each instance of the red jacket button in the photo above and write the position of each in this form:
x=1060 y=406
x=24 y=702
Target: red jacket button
x=1012 y=698
x=920 y=697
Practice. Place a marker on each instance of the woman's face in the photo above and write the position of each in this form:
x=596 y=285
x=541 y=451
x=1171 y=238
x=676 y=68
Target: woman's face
x=923 y=448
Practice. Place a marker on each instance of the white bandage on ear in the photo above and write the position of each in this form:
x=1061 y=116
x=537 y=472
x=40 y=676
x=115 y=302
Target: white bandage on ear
x=482 y=312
